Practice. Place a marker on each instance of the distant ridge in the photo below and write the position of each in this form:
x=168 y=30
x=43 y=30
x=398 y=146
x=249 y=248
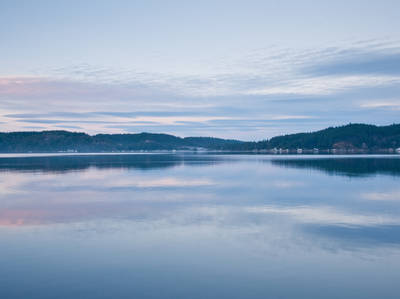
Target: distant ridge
x=350 y=138
x=64 y=141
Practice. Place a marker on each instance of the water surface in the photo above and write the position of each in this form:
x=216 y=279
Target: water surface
x=199 y=226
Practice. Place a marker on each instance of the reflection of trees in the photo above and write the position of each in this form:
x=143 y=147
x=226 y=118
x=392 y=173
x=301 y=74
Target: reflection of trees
x=80 y=162
x=352 y=167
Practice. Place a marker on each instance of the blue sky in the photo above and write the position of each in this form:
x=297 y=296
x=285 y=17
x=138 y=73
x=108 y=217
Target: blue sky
x=235 y=69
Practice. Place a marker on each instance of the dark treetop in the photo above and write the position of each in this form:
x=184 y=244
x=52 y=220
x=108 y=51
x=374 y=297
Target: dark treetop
x=352 y=136
x=56 y=141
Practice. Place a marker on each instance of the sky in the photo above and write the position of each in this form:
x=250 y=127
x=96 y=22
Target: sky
x=247 y=70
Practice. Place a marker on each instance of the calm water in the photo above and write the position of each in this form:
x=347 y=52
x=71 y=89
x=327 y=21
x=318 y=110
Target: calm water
x=199 y=226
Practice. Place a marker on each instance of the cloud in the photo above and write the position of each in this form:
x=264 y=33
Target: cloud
x=52 y=114
x=68 y=127
x=312 y=88
x=359 y=63
x=124 y=114
x=382 y=104
x=323 y=85
x=59 y=121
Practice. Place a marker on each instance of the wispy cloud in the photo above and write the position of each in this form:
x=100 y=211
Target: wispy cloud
x=252 y=93
x=384 y=104
x=364 y=62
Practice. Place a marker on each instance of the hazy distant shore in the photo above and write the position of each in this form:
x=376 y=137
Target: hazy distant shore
x=349 y=139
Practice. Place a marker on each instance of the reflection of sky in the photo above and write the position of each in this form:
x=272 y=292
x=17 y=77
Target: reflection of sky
x=246 y=213
x=242 y=186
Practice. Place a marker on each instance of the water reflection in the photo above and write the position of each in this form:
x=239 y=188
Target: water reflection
x=64 y=163
x=359 y=236
x=237 y=227
x=349 y=166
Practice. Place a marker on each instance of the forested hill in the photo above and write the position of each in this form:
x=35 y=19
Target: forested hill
x=349 y=137
x=61 y=141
